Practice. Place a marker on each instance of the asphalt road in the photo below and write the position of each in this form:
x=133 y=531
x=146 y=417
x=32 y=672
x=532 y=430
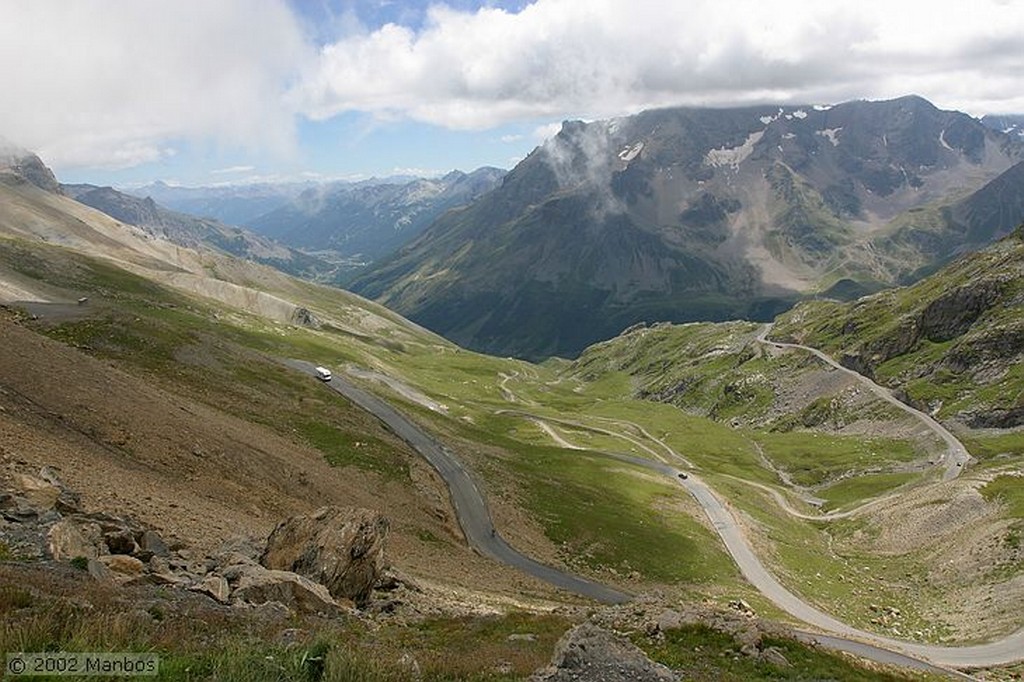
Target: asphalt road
x=470 y=506
x=850 y=639
x=471 y=510
x=956 y=456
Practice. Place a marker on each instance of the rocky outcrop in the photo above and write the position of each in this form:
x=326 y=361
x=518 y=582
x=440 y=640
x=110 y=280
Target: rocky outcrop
x=343 y=549
x=588 y=652
x=303 y=317
x=952 y=314
x=340 y=552
x=30 y=167
x=68 y=539
x=258 y=585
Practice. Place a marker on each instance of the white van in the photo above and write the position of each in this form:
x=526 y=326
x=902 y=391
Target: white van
x=323 y=374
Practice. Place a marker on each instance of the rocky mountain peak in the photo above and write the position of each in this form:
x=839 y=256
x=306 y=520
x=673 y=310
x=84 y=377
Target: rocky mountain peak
x=27 y=166
x=684 y=214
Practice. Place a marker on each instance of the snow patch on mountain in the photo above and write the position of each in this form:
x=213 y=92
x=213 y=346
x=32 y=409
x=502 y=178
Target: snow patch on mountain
x=630 y=153
x=831 y=134
x=734 y=156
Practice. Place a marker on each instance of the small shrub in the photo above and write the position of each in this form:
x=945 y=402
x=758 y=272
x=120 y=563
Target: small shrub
x=12 y=598
x=81 y=563
x=313 y=663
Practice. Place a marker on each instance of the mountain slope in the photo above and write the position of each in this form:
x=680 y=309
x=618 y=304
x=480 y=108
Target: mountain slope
x=31 y=216
x=1012 y=124
x=952 y=344
x=193 y=232
x=688 y=214
x=362 y=222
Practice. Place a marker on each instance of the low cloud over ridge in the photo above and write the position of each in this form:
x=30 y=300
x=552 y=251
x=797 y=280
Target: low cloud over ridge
x=604 y=57
x=116 y=84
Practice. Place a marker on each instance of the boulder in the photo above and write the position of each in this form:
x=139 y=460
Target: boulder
x=120 y=541
x=258 y=585
x=39 y=493
x=123 y=564
x=97 y=569
x=215 y=586
x=342 y=549
x=68 y=501
x=589 y=653
x=150 y=545
x=775 y=657
x=68 y=539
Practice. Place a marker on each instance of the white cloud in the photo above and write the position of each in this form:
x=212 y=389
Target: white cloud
x=560 y=58
x=103 y=83
x=116 y=84
x=546 y=131
x=232 y=169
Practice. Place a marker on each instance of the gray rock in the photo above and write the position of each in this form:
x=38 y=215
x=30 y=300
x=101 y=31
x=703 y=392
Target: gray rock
x=150 y=545
x=215 y=586
x=120 y=541
x=67 y=539
x=40 y=494
x=342 y=549
x=258 y=585
x=589 y=653
x=775 y=657
x=99 y=570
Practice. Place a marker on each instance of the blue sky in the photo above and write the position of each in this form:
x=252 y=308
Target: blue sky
x=199 y=92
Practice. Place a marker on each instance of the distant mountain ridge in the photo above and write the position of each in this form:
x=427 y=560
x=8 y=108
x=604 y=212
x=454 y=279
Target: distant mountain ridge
x=369 y=220
x=348 y=224
x=702 y=214
x=1012 y=124
x=234 y=204
x=189 y=231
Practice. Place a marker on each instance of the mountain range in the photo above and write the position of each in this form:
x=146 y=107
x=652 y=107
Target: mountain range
x=704 y=214
x=365 y=221
x=234 y=204
x=349 y=224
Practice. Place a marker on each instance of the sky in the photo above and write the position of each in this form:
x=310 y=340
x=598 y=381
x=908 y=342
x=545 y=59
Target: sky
x=202 y=92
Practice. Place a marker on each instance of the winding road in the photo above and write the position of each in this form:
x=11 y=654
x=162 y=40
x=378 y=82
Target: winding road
x=956 y=456
x=470 y=506
x=850 y=639
x=471 y=510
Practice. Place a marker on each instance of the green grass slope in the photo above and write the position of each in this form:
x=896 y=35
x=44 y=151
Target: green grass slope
x=951 y=344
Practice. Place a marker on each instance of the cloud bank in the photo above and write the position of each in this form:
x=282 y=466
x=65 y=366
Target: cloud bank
x=116 y=84
x=606 y=57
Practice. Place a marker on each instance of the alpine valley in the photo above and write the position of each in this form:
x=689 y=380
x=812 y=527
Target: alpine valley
x=788 y=444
